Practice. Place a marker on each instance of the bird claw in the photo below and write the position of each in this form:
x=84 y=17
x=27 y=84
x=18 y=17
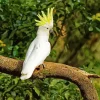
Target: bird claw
x=43 y=65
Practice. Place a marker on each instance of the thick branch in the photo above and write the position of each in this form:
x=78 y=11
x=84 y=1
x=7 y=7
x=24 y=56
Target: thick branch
x=75 y=75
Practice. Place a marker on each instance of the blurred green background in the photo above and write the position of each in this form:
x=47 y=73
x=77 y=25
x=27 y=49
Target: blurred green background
x=76 y=42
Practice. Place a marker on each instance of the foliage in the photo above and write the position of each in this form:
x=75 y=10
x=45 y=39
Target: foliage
x=76 y=27
x=13 y=88
x=97 y=85
x=17 y=22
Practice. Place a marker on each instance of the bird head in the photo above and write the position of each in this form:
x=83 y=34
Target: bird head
x=45 y=21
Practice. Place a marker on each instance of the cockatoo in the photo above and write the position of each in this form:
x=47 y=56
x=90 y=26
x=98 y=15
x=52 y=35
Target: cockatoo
x=40 y=47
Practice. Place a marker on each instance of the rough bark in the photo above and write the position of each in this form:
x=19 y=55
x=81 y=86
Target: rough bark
x=75 y=75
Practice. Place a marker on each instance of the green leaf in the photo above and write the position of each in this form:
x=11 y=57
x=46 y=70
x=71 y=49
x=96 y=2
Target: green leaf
x=16 y=47
x=90 y=28
x=10 y=47
x=37 y=90
x=89 y=18
x=29 y=94
x=54 y=82
x=67 y=10
x=77 y=24
x=4 y=35
x=98 y=29
x=67 y=94
x=10 y=98
x=16 y=80
x=2 y=17
x=1 y=9
x=13 y=93
x=15 y=53
x=12 y=34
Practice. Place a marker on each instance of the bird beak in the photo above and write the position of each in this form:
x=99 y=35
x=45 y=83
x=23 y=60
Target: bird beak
x=51 y=31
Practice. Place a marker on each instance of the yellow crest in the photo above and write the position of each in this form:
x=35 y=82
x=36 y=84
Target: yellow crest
x=45 y=18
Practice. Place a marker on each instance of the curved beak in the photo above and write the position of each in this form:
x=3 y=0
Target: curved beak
x=51 y=31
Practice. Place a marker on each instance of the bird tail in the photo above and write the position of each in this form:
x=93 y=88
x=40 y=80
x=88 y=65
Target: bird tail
x=26 y=76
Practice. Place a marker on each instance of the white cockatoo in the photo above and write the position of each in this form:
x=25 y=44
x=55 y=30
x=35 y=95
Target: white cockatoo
x=40 y=47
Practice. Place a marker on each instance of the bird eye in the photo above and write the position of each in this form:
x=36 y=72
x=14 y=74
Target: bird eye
x=47 y=28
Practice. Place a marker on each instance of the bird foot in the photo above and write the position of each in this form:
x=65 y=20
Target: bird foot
x=42 y=66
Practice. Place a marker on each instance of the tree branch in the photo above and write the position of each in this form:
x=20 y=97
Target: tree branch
x=75 y=75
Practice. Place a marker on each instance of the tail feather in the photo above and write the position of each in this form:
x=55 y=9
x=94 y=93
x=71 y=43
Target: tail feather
x=27 y=73
x=26 y=76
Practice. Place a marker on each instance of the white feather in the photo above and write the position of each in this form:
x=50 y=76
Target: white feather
x=29 y=51
x=37 y=52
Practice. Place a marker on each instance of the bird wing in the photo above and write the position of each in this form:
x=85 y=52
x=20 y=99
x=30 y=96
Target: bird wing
x=36 y=57
x=31 y=47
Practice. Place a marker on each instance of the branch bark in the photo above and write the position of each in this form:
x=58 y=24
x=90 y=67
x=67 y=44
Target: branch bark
x=75 y=75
